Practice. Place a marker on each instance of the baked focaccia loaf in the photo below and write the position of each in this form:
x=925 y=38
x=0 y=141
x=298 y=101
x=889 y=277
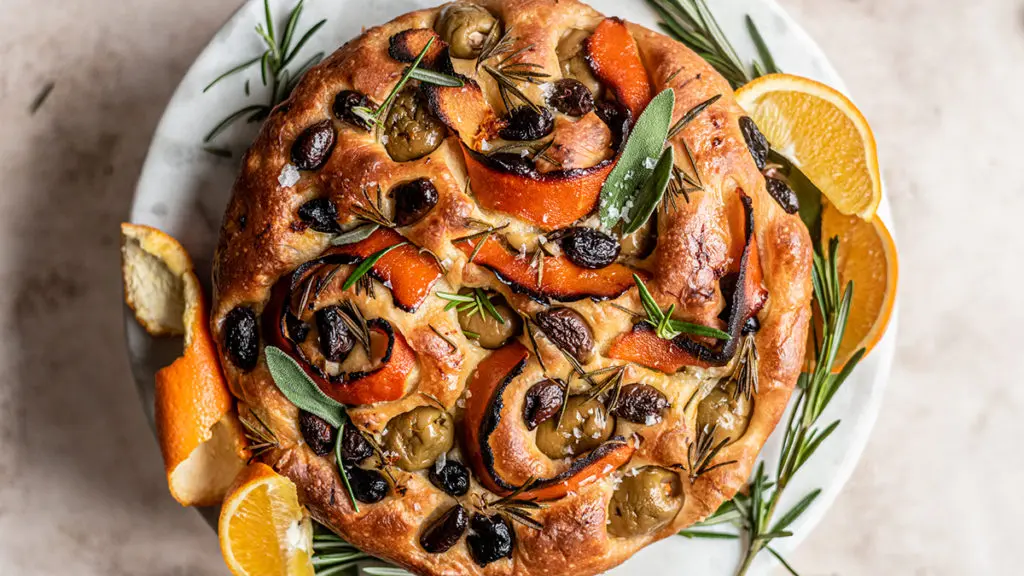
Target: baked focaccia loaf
x=570 y=434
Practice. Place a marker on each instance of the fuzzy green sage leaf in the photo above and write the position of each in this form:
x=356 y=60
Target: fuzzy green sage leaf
x=357 y=234
x=300 y=390
x=636 y=164
x=649 y=197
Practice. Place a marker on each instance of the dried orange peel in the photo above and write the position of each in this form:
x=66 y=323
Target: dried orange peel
x=201 y=439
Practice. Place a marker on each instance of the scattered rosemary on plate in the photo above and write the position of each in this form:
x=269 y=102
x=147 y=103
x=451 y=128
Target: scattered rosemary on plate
x=280 y=52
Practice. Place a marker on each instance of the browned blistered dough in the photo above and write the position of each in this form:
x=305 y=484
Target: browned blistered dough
x=696 y=245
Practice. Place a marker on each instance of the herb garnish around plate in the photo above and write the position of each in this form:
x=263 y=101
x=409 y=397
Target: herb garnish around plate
x=279 y=54
x=665 y=326
x=300 y=390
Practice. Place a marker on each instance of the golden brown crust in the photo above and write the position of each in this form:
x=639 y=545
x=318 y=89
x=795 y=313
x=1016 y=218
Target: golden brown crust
x=697 y=244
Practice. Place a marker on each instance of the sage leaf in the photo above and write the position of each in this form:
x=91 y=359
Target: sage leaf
x=357 y=234
x=366 y=264
x=300 y=390
x=645 y=143
x=650 y=196
x=436 y=78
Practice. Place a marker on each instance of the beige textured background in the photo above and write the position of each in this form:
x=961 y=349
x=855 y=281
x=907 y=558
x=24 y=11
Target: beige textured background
x=938 y=491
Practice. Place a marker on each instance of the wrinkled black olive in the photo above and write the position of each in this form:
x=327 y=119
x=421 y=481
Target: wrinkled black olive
x=543 y=401
x=345 y=101
x=569 y=331
x=317 y=432
x=783 y=194
x=490 y=539
x=321 y=214
x=313 y=146
x=526 y=123
x=511 y=162
x=452 y=477
x=413 y=200
x=571 y=97
x=297 y=329
x=368 y=486
x=445 y=532
x=242 y=338
x=756 y=142
x=752 y=325
x=354 y=446
x=589 y=248
x=641 y=404
x=618 y=118
x=335 y=339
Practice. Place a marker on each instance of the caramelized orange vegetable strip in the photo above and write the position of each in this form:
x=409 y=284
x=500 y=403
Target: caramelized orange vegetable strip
x=562 y=280
x=615 y=59
x=385 y=384
x=409 y=273
x=584 y=471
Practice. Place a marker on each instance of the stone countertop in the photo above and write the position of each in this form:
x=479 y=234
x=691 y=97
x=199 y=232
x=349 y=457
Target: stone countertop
x=81 y=483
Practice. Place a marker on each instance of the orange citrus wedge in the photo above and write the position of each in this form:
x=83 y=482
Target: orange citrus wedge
x=263 y=529
x=866 y=257
x=823 y=133
x=202 y=441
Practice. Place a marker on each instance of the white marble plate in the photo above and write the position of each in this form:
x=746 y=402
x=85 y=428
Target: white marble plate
x=183 y=191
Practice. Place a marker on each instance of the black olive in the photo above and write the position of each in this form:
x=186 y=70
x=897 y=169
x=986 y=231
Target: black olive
x=313 y=146
x=445 y=532
x=570 y=96
x=618 y=118
x=589 y=248
x=321 y=214
x=413 y=200
x=297 y=329
x=368 y=486
x=354 y=446
x=527 y=123
x=783 y=194
x=543 y=401
x=345 y=101
x=335 y=339
x=641 y=404
x=511 y=162
x=727 y=284
x=491 y=538
x=756 y=142
x=452 y=477
x=752 y=325
x=317 y=432
x=242 y=338
x=569 y=331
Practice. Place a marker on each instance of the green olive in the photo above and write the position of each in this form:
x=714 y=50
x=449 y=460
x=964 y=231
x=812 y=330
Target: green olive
x=726 y=410
x=572 y=59
x=585 y=425
x=465 y=28
x=484 y=327
x=418 y=437
x=646 y=500
x=411 y=129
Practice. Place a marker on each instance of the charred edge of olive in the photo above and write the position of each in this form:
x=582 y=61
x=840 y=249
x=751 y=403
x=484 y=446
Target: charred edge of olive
x=318 y=434
x=741 y=309
x=757 y=144
x=438 y=59
x=783 y=194
x=533 y=174
x=618 y=118
x=490 y=422
x=580 y=464
x=368 y=486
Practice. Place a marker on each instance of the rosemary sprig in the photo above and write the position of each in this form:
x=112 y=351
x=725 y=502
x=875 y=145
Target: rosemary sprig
x=517 y=509
x=261 y=437
x=665 y=326
x=354 y=320
x=702 y=451
x=509 y=71
x=477 y=303
x=279 y=53
x=367 y=264
x=370 y=211
x=691 y=22
x=744 y=373
x=690 y=115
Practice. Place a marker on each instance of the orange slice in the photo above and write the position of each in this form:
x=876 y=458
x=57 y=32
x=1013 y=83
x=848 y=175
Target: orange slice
x=867 y=257
x=263 y=529
x=823 y=133
x=202 y=441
